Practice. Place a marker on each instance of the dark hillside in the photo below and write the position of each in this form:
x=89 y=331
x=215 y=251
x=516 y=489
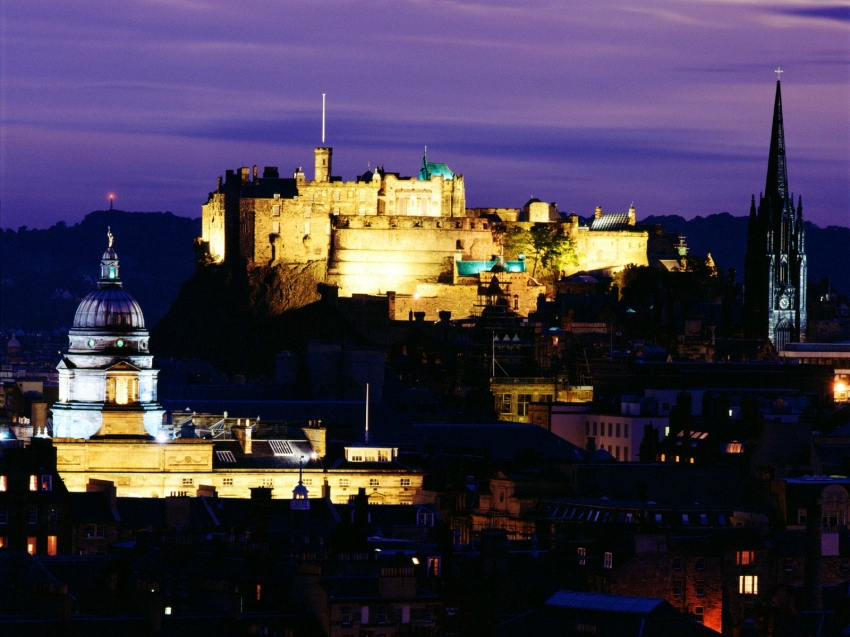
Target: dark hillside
x=725 y=237
x=46 y=272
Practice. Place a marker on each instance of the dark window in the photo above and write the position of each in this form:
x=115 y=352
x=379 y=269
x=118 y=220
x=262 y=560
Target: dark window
x=700 y=588
x=677 y=563
x=700 y=564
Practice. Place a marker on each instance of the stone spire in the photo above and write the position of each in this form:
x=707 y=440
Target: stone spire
x=776 y=186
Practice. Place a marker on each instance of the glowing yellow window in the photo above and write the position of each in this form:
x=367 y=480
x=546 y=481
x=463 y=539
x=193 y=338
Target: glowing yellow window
x=51 y=545
x=31 y=545
x=121 y=391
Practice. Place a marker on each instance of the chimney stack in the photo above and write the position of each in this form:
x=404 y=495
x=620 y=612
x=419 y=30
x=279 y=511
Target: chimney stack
x=242 y=433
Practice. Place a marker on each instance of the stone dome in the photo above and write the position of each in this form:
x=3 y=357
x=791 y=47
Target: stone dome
x=109 y=308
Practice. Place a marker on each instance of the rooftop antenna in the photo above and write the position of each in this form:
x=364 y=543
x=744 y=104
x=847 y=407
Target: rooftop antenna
x=111 y=199
x=778 y=71
x=323 y=119
x=366 y=438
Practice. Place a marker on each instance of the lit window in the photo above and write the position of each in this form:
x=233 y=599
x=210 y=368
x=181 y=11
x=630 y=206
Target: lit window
x=3 y=541
x=522 y=401
x=748 y=584
x=433 y=567
x=405 y=482
x=51 y=545
x=306 y=227
x=374 y=482
x=608 y=561
x=504 y=404
x=745 y=558
x=582 y=556
x=33 y=483
x=121 y=391
x=259 y=591
x=383 y=456
x=343 y=482
x=585 y=628
x=31 y=545
x=47 y=483
x=3 y=483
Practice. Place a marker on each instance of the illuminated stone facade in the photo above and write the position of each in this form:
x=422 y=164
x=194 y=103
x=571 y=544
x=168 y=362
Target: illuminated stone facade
x=387 y=233
x=187 y=466
x=107 y=384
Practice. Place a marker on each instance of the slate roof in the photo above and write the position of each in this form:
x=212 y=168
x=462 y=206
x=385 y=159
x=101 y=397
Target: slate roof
x=495 y=440
x=263 y=456
x=91 y=508
x=266 y=189
x=611 y=603
x=615 y=221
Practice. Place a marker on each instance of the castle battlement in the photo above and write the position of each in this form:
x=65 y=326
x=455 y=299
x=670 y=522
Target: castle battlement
x=386 y=232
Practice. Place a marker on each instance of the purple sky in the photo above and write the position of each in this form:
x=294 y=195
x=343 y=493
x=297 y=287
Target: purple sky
x=593 y=102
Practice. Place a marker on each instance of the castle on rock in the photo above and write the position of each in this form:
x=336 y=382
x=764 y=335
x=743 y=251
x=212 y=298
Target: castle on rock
x=385 y=233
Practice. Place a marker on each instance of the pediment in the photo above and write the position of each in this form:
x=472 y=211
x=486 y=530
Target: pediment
x=66 y=364
x=123 y=366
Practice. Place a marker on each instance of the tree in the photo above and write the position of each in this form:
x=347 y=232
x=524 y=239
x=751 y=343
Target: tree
x=516 y=240
x=551 y=249
x=544 y=245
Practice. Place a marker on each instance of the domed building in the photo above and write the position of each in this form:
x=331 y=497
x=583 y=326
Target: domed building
x=107 y=384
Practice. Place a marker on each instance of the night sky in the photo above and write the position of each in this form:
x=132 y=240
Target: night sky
x=666 y=104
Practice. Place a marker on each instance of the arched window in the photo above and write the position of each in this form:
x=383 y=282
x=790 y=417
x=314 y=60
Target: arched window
x=783 y=335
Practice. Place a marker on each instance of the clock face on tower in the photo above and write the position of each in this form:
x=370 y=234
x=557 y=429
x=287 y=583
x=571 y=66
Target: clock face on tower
x=783 y=302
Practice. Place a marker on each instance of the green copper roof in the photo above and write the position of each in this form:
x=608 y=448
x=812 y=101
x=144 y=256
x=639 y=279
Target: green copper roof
x=430 y=169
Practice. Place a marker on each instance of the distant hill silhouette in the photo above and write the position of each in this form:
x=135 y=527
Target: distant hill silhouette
x=725 y=237
x=45 y=273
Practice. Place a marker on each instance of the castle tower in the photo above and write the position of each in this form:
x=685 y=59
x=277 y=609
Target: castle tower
x=323 y=163
x=775 y=267
x=107 y=384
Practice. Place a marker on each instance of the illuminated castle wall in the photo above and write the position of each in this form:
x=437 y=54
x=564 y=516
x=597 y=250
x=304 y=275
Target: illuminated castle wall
x=383 y=232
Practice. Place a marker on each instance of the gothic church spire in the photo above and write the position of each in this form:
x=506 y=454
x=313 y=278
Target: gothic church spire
x=776 y=186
